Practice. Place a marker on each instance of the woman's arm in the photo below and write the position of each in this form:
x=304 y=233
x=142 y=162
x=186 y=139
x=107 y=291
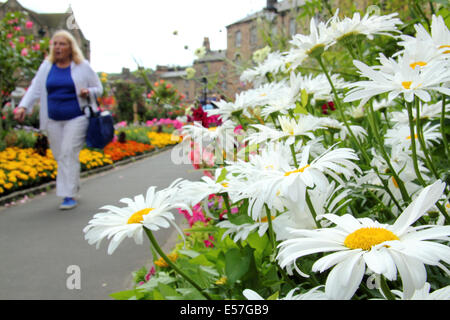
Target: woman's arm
x=94 y=85
x=34 y=90
x=31 y=95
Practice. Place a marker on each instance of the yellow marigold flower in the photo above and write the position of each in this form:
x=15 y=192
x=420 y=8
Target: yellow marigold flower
x=163 y=264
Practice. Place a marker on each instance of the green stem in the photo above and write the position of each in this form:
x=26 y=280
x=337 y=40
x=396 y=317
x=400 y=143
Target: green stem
x=422 y=141
x=311 y=209
x=271 y=233
x=376 y=132
x=444 y=136
x=172 y=265
x=227 y=202
x=413 y=144
x=385 y=288
x=294 y=157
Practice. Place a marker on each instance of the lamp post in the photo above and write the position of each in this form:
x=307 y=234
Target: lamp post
x=205 y=89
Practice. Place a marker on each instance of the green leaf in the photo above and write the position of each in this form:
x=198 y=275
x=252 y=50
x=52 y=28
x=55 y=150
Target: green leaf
x=236 y=265
x=299 y=109
x=304 y=98
x=257 y=242
x=222 y=176
x=274 y=296
x=123 y=295
x=201 y=260
x=167 y=291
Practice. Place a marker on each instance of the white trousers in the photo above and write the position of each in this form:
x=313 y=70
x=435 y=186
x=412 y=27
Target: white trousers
x=66 y=140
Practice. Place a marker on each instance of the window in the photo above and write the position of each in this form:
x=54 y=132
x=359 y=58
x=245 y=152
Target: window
x=238 y=39
x=205 y=69
x=253 y=36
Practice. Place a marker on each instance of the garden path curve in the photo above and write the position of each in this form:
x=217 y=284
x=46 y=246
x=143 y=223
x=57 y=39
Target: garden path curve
x=39 y=243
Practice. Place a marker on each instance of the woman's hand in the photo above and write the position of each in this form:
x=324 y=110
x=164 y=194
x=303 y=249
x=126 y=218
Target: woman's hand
x=84 y=93
x=19 y=114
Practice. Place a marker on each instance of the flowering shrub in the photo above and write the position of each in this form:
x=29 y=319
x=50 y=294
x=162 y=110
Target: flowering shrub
x=90 y=159
x=21 y=168
x=117 y=150
x=21 y=54
x=342 y=200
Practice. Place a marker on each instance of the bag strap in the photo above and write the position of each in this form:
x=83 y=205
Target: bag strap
x=88 y=106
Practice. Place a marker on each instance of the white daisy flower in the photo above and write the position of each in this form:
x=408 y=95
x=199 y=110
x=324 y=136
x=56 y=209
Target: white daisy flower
x=242 y=231
x=151 y=211
x=221 y=137
x=403 y=165
x=300 y=217
x=368 y=25
x=432 y=111
x=313 y=294
x=425 y=294
x=385 y=249
x=273 y=64
x=290 y=129
x=437 y=44
x=192 y=192
x=291 y=182
x=400 y=137
x=318 y=40
x=399 y=78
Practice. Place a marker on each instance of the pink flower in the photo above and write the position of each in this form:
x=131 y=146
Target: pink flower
x=36 y=47
x=21 y=39
x=9 y=36
x=29 y=24
x=24 y=52
x=150 y=273
x=17 y=28
x=209 y=242
x=12 y=45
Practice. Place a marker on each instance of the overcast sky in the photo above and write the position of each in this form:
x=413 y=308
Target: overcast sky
x=121 y=31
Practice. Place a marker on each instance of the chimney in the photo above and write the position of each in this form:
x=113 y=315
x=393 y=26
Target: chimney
x=271 y=5
x=206 y=44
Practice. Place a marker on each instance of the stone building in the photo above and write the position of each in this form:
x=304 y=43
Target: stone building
x=45 y=24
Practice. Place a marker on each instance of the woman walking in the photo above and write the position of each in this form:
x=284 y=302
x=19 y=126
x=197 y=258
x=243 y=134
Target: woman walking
x=62 y=83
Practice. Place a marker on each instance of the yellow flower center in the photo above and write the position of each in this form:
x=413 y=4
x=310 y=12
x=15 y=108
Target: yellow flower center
x=212 y=128
x=222 y=280
x=418 y=63
x=407 y=84
x=163 y=264
x=265 y=219
x=395 y=182
x=365 y=238
x=225 y=184
x=138 y=217
x=409 y=137
x=445 y=46
x=296 y=171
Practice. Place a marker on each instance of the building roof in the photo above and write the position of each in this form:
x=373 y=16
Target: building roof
x=218 y=55
x=284 y=5
x=173 y=74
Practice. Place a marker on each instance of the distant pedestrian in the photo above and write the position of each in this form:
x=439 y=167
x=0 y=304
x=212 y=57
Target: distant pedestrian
x=62 y=83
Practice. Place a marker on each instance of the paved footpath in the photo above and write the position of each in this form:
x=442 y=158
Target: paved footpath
x=38 y=242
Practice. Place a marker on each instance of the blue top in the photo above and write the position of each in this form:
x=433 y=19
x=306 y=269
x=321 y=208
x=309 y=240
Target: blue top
x=62 y=96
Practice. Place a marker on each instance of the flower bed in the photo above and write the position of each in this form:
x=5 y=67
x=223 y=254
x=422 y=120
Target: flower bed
x=118 y=150
x=22 y=168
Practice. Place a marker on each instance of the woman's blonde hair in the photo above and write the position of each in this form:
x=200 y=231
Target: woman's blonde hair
x=76 y=55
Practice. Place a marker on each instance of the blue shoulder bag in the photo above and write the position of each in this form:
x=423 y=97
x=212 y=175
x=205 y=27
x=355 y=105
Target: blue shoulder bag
x=100 y=130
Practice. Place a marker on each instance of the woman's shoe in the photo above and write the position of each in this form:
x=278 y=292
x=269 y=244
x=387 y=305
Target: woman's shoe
x=68 y=203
